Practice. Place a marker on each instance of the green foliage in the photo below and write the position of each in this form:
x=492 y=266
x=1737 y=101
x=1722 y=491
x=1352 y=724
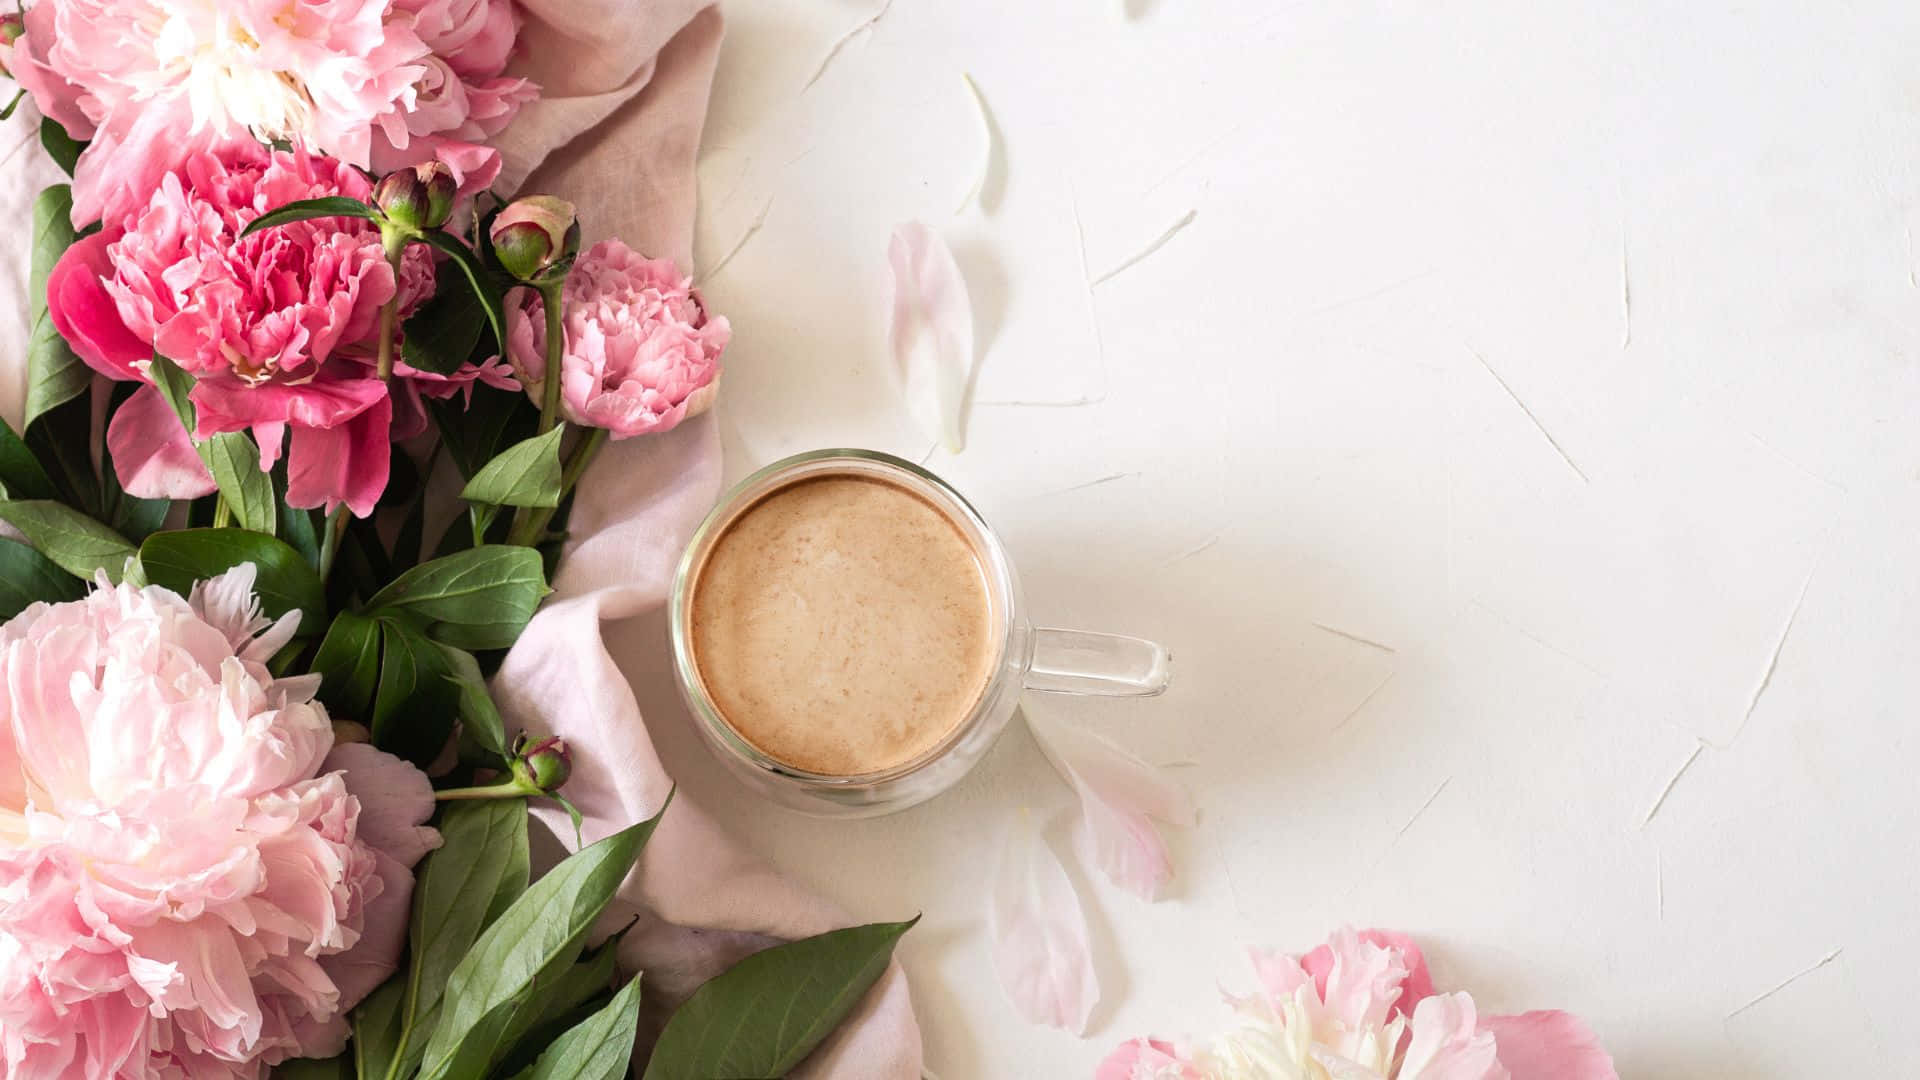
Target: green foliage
x=63 y=148
x=598 y=1047
x=178 y=558
x=476 y=599
x=28 y=577
x=307 y=209
x=524 y=474
x=71 y=540
x=55 y=375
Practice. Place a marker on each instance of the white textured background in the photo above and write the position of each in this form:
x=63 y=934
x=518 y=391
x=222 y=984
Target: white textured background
x=1571 y=351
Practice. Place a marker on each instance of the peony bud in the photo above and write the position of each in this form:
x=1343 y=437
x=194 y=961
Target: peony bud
x=535 y=234
x=542 y=764
x=419 y=197
x=12 y=28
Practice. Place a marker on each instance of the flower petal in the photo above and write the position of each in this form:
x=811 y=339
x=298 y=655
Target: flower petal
x=1417 y=985
x=931 y=332
x=1119 y=793
x=1146 y=1059
x=395 y=799
x=86 y=316
x=1444 y=1043
x=152 y=455
x=1039 y=933
x=1549 y=1045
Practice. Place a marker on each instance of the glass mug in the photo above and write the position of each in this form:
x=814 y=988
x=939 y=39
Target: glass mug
x=1027 y=657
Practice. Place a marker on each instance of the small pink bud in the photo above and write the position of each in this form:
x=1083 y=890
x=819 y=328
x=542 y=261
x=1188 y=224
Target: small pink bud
x=543 y=763
x=534 y=234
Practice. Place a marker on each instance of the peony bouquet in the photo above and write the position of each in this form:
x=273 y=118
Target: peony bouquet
x=307 y=406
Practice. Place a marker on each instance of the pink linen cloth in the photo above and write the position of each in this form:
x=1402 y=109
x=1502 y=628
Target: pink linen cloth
x=617 y=131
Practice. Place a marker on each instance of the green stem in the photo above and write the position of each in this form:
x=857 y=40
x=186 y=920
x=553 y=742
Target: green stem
x=511 y=788
x=222 y=513
x=556 y=341
x=330 y=538
x=394 y=242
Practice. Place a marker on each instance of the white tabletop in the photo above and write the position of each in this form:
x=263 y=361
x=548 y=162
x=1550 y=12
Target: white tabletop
x=1569 y=352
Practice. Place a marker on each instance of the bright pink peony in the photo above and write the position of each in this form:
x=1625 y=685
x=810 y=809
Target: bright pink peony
x=151 y=81
x=273 y=327
x=1362 y=1006
x=187 y=886
x=641 y=352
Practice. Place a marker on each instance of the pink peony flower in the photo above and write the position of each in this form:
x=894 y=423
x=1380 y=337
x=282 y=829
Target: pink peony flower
x=188 y=886
x=1362 y=1007
x=273 y=327
x=641 y=352
x=461 y=99
x=151 y=81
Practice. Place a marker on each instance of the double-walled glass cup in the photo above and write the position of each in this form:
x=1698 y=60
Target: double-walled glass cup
x=1028 y=657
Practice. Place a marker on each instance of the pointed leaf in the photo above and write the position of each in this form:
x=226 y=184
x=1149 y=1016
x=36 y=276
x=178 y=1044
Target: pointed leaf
x=524 y=474
x=348 y=663
x=73 y=541
x=440 y=337
x=1039 y=934
x=931 y=332
x=476 y=599
x=28 y=577
x=305 y=209
x=477 y=280
x=63 y=148
x=284 y=582
x=54 y=374
x=544 y=927
x=21 y=476
x=1119 y=793
x=765 y=1014
x=413 y=708
x=599 y=1047
x=479 y=716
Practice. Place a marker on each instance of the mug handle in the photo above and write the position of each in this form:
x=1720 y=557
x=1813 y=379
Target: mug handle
x=1097 y=665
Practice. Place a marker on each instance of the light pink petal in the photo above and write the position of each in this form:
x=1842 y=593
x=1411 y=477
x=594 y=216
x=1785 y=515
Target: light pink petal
x=1444 y=1043
x=1119 y=795
x=1039 y=933
x=395 y=798
x=1549 y=1045
x=931 y=332
x=152 y=455
x=1418 y=984
x=1146 y=1059
x=358 y=971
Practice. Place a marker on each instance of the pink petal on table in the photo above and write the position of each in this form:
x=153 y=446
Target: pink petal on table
x=931 y=331
x=1119 y=795
x=1039 y=934
x=1549 y=1045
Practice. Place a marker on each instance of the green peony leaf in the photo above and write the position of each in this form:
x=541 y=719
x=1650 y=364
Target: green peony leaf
x=348 y=663
x=440 y=337
x=524 y=474
x=283 y=580
x=54 y=374
x=477 y=280
x=307 y=209
x=598 y=1047
x=27 y=577
x=73 y=541
x=231 y=457
x=475 y=434
x=21 y=476
x=476 y=599
x=765 y=1014
x=62 y=147
x=414 y=707
x=538 y=935
x=479 y=717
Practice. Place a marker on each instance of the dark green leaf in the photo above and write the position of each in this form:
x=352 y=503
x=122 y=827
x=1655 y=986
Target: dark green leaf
x=477 y=599
x=494 y=418
x=559 y=1003
x=26 y=577
x=54 y=374
x=477 y=279
x=540 y=930
x=524 y=474
x=73 y=541
x=333 y=1068
x=765 y=1014
x=61 y=438
x=235 y=464
x=480 y=865
x=348 y=663
x=297 y=527
x=62 y=147
x=21 y=476
x=597 y=1048
x=440 y=336
x=415 y=705
x=378 y=1029
x=305 y=209
x=479 y=716
x=282 y=578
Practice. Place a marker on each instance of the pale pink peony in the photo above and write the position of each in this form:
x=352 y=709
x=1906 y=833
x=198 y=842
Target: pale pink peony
x=461 y=99
x=1362 y=1007
x=273 y=327
x=188 y=887
x=641 y=355
x=150 y=81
